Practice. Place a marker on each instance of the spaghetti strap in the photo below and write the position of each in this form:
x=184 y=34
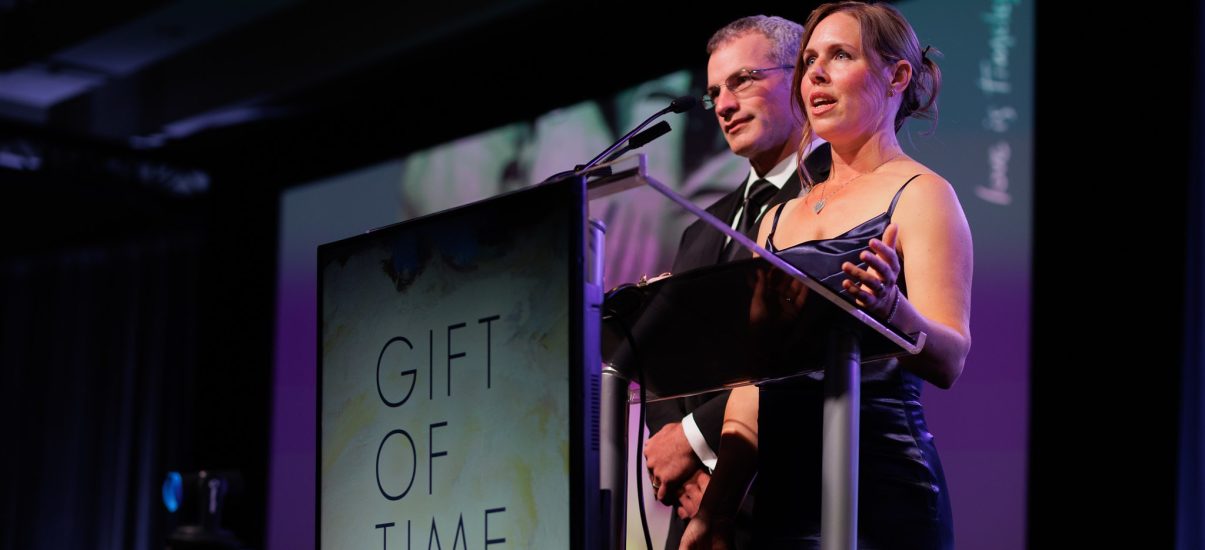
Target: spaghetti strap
x=773 y=228
x=895 y=199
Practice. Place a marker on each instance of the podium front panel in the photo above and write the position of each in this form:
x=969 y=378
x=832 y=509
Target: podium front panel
x=452 y=380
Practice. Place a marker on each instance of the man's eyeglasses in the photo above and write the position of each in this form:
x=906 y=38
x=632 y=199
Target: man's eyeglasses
x=739 y=80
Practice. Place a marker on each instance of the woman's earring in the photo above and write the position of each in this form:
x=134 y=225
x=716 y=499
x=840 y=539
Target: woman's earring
x=890 y=92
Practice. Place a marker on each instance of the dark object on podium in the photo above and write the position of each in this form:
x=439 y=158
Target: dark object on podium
x=726 y=325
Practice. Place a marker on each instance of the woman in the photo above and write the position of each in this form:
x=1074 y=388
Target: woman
x=889 y=234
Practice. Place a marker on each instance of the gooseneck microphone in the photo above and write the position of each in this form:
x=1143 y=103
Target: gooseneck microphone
x=636 y=138
x=659 y=129
x=682 y=104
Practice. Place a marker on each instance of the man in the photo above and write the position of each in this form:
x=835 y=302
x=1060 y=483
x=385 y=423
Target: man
x=749 y=86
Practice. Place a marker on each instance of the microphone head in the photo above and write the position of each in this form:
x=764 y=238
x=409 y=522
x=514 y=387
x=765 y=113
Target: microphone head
x=658 y=130
x=683 y=104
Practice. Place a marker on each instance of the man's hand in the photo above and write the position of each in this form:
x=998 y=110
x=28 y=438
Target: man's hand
x=690 y=495
x=670 y=461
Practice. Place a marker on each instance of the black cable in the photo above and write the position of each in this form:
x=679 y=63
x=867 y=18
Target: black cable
x=644 y=523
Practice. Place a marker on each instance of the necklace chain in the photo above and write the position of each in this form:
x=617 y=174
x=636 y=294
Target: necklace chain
x=824 y=198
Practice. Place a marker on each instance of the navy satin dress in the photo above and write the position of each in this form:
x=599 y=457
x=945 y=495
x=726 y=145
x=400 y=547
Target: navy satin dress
x=902 y=498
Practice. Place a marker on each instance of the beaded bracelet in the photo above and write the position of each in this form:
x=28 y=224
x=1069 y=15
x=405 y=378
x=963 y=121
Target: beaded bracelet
x=894 y=306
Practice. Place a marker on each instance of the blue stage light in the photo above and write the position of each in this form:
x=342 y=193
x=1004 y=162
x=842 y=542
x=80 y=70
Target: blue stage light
x=173 y=491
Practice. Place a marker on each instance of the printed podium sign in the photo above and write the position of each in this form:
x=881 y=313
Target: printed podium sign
x=447 y=379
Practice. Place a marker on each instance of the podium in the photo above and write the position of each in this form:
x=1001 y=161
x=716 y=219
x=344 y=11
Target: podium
x=463 y=397
x=753 y=333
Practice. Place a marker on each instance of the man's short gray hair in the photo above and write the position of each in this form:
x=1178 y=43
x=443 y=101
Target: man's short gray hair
x=783 y=34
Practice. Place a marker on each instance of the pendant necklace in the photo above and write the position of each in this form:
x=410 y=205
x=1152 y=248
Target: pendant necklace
x=824 y=199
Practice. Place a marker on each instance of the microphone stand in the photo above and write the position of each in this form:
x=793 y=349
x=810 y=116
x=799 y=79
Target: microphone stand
x=678 y=105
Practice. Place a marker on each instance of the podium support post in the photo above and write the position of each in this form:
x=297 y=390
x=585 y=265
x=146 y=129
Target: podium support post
x=839 y=462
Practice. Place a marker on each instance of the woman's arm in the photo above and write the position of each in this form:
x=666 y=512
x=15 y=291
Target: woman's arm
x=737 y=464
x=930 y=236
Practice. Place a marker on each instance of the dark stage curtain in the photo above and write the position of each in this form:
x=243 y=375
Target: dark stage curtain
x=98 y=347
x=1190 y=523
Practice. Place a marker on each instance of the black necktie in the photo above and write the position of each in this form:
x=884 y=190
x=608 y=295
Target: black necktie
x=759 y=194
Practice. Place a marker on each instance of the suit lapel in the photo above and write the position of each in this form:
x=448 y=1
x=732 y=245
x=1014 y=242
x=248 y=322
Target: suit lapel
x=789 y=190
x=819 y=162
x=703 y=246
x=725 y=210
